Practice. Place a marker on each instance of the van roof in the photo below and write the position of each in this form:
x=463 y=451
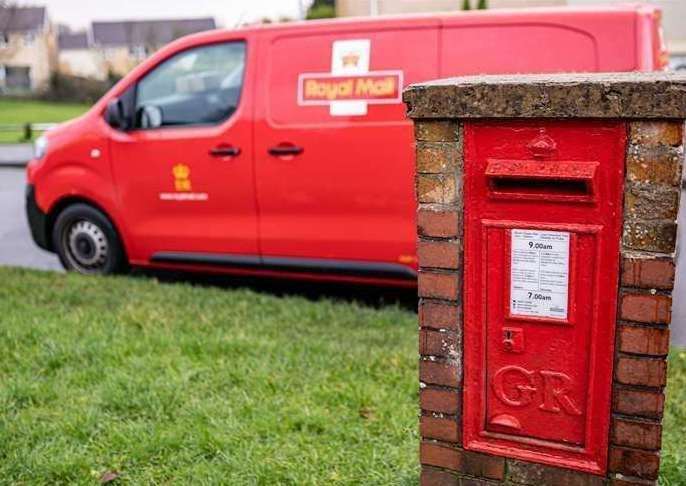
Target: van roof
x=559 y=15
x=629 y=7
x=504 y=14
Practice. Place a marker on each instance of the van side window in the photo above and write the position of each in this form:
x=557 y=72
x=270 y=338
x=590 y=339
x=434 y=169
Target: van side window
x=198 y=86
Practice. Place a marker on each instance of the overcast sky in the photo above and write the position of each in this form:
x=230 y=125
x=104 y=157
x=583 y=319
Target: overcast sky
x=227 y=13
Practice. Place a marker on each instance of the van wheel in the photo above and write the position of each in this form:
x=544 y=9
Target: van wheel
x=86 y=241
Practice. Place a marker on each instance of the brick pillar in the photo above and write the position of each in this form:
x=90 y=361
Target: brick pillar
x=651 y=203
x=652 y=109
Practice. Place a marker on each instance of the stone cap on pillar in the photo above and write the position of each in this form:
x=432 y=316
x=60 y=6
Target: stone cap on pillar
x=636 y=95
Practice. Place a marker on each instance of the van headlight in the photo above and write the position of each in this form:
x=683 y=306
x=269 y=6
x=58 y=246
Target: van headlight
x=40 y=147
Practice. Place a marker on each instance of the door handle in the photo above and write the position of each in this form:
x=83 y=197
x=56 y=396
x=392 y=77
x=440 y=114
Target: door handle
x=281 y=150
x=225 y=151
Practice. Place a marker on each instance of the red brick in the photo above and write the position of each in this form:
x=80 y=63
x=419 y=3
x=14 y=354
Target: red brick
x=436 y=157
x=445 y=429
x=520 y=472
x=627 y=481
x=437 y=188
x=641 y=371
x=436 y=131
x=641 y=403
x=438 y=343
x=635 y=433
x=656 y=236
x=471 y=463
x=438 y=223
x=476 y=482
x=438 y=285
x=440 y=400
x=656 y=133
x=438 y=254
x=439 y=315
x=437 y=477
x=483 y=465
x=433 y=454
x=437 y=373
x=644 y=340
x=646 y=308
x=650 y=201
x=653 y=165
x=648 y=273
x=634 y=462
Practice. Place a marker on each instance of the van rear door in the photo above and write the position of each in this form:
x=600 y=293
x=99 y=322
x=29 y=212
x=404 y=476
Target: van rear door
x=541 y=41
x=333 y=150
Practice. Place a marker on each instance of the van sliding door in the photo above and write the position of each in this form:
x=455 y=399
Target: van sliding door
x=334 y=154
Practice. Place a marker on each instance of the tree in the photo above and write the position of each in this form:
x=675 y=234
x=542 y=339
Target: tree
x=466 y=5
x=321 y=9
x=483 y=5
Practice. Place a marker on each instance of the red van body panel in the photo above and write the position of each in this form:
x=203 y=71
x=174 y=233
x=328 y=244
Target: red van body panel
x=354 y=176
x=321 y=183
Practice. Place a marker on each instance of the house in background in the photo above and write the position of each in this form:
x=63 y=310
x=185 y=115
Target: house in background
x=122 y=45
x=28 y=49
x=78 y=58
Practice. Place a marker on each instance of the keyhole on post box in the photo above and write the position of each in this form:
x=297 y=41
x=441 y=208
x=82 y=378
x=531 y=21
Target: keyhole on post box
x=513 y=340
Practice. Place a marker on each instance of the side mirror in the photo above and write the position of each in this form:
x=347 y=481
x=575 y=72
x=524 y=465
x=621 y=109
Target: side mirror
x=115 y=116
x=150 y=116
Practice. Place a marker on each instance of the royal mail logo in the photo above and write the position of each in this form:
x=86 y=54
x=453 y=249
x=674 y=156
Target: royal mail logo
x=182 y=185
x=182 y=181
x=374 y=87
x=350 y=59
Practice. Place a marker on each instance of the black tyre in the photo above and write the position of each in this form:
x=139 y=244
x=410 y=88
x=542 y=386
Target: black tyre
x=86 y=241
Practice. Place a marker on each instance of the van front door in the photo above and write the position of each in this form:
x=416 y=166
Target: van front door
x=184 y=174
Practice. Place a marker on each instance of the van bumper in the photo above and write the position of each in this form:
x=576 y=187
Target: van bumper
x=38 y=220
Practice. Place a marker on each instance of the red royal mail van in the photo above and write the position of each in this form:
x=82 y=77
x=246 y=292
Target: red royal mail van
x=285 y=149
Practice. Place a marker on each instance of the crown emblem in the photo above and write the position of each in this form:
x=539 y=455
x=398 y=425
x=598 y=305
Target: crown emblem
x=181 y=174
x=181 y=171
x=351 y=59
x=543 y=146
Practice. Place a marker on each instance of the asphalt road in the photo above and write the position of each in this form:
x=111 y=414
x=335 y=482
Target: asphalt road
x=17 y=248
x=15 y=154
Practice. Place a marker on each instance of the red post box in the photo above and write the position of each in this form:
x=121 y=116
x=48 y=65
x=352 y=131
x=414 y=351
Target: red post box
x=546 y=244
x=542 y=234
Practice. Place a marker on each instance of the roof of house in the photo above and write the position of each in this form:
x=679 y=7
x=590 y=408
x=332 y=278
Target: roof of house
x=21 y=19
x=147 y=32
x=73 y=40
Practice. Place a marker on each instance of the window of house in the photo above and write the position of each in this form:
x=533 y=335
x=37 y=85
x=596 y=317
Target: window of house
x=18 y=78
x=197 y=86
x=139 y=52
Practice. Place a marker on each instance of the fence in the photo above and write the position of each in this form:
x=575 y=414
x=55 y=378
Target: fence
x=25 y=131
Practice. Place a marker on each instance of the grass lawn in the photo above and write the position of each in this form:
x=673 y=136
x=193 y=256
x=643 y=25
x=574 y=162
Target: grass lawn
x=14 y=111
x=170 y=383
x=176 y=384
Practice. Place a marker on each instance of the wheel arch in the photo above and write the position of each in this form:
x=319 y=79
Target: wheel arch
x=63 y=203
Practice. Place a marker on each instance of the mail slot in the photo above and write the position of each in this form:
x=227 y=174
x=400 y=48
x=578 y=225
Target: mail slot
x=542 y=230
